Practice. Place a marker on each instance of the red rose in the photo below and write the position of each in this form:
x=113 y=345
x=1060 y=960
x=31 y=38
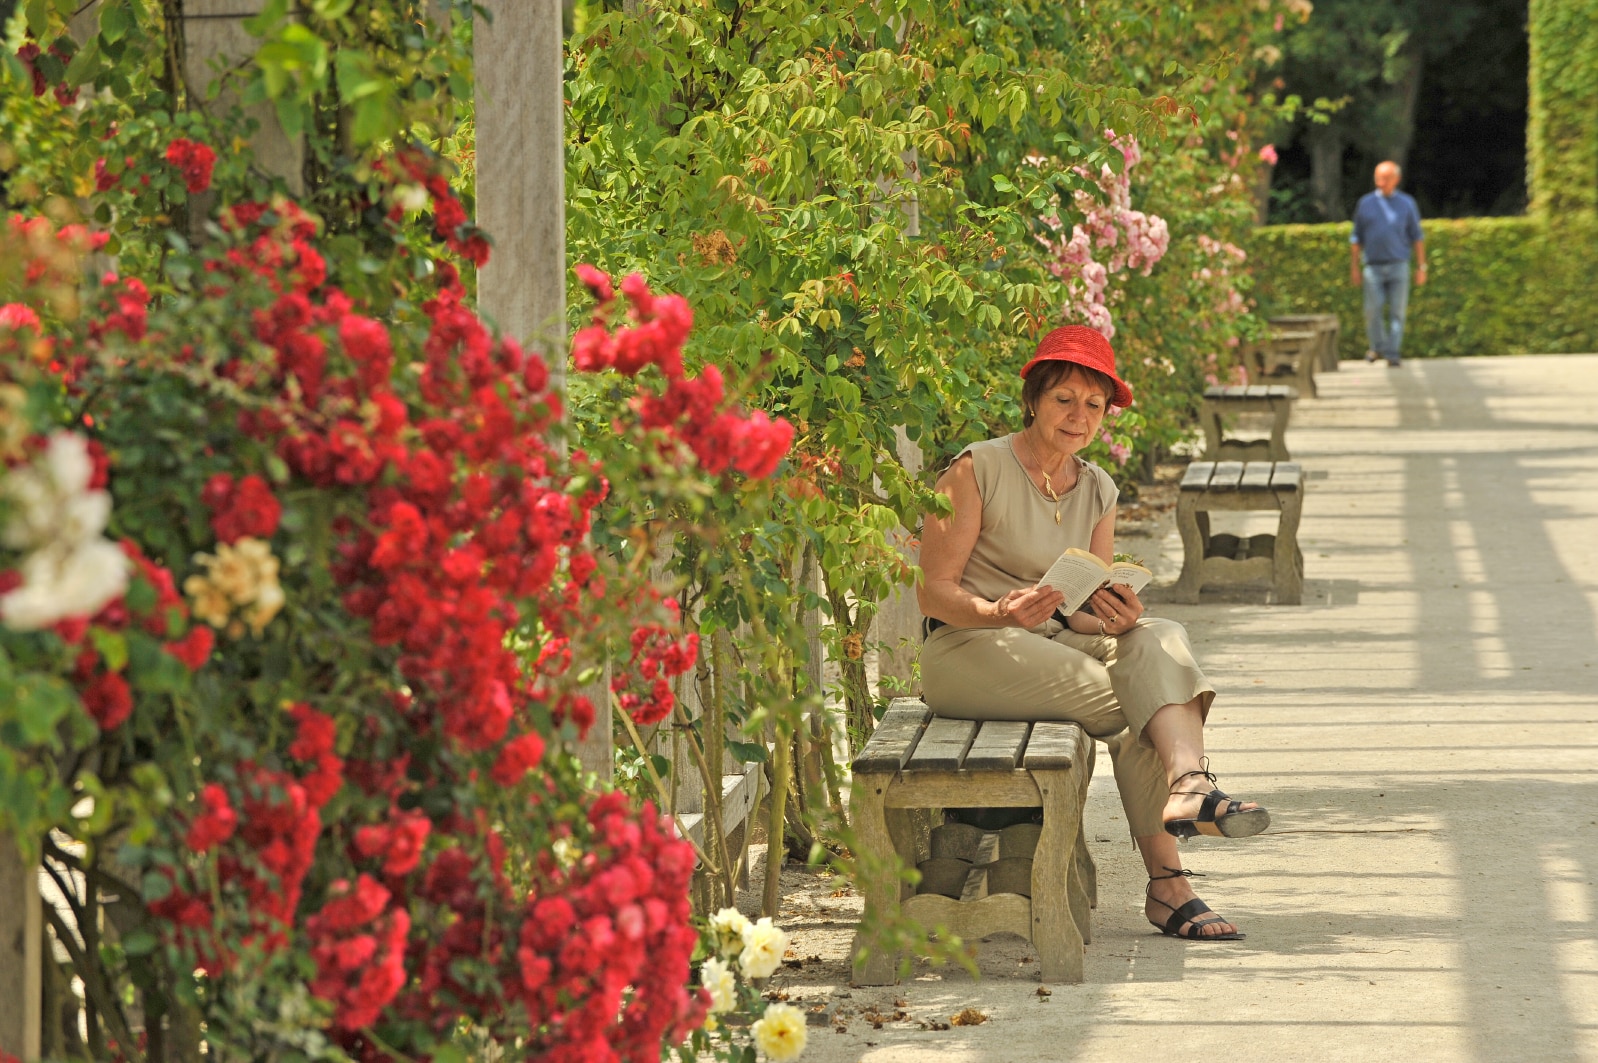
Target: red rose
x=246 y=508
x=108 y=700
x=193 y=649
x=520 y=755
x=216 y=824
x=194 y=160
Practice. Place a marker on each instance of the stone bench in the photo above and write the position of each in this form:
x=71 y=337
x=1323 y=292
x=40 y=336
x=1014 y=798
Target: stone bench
x=917 y=764
x=1287 y=355
x=1274 y=400
x=1229 y=560
x=1327 y=326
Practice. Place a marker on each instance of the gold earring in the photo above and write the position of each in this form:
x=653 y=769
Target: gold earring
x=1029 y=412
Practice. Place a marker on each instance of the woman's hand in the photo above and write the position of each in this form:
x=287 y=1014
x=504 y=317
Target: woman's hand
x=1027 y=607
x=1117 y=606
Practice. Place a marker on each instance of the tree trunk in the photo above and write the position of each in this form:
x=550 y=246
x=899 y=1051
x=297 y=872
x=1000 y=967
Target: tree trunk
x=1406 y=93
x=1326 y=170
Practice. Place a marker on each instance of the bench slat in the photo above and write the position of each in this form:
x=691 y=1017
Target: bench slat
x=1197 y=476
x=1286 y=476
x=1257 y=476
x=943 y=746
x=1053 y=747
x=997 y=745
x=1226 y=476
x=895 y=738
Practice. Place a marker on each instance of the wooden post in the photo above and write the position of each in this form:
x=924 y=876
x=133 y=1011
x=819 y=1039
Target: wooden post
x=21 y=953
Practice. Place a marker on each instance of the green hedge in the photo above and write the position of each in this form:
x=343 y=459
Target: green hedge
x=1496 y=285
x=1562 y=119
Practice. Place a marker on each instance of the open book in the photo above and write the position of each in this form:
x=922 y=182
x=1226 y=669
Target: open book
x=1077 y=574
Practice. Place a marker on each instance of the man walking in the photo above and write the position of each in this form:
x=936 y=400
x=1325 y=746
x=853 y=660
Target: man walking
x=1386 y=227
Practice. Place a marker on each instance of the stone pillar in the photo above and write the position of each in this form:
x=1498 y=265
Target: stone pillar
x=898 y=619
x=521 y=203
x=1562 y=118
x=213 y=32
x=521 y=182
x=21 y=953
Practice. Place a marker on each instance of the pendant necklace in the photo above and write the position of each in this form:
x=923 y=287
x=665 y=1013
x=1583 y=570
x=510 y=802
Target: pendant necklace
x=1048 y=484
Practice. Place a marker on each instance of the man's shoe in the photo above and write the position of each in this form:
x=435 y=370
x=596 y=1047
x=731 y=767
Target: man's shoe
x=1394 y=365
x=1371 y=356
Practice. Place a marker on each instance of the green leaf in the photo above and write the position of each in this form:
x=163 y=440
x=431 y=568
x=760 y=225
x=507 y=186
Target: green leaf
x=38 y=15
x=748 y=752
x=143 y=942
x=115 y=18
x=155 y=887
x=42 y=700
x=84 y=65
x=112 y=646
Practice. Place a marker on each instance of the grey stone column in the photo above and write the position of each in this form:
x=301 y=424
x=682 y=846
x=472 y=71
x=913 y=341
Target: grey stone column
x=21 y=953
x=521 y=202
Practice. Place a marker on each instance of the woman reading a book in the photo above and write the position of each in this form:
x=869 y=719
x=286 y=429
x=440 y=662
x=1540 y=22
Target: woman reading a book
x=1002 y=646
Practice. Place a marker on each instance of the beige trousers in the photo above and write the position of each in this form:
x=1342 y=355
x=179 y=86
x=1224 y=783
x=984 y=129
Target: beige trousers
x=1107 y=685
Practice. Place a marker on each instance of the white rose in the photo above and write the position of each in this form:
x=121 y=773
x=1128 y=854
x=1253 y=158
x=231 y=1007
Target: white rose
x=67 y=458
x=728 y=925
x=764 y=944
x=33 y=507
x=83 y=516
x=718 y=979
x=57 y=585
x=780 y=1032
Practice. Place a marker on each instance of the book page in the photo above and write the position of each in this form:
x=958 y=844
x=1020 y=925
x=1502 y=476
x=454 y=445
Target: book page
x=1134 y=576
x=1077 y=574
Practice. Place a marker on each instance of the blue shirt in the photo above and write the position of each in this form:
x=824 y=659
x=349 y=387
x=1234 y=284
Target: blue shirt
x=1386 y=226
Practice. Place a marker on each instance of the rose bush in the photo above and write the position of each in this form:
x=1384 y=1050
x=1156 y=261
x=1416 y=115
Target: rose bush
x=293 y=593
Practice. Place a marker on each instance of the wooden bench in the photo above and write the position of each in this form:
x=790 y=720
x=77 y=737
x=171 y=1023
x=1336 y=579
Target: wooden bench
x=1228 y=560
x=916 y=762
x=1275 y=400
x=1327 y=326
x=1289 y=354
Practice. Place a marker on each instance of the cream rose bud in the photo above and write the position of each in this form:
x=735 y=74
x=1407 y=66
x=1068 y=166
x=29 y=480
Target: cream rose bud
x=728 y=926
x=764 y=944
x=780 y=1032
x=718 y=980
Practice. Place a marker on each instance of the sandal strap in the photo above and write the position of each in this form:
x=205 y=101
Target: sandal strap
x=1203 y=769
x=1176 y=872
x=1188 y=913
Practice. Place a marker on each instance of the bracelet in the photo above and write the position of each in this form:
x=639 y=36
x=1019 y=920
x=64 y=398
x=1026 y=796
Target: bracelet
x=1101 y=625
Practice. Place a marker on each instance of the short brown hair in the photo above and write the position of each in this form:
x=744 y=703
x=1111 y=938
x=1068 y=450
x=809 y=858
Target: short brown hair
x=1049 y=375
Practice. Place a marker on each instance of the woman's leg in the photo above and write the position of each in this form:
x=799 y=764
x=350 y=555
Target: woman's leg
x=1177 y=734
x=1167 y=890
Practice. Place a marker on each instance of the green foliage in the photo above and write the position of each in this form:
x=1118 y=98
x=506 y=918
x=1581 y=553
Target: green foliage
x=1495 y=285
x=1562 y=129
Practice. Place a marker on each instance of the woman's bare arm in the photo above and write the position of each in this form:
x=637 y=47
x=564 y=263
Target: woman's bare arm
x=946 y=545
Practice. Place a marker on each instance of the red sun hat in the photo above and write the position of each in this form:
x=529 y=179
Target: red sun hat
x=1086 y=347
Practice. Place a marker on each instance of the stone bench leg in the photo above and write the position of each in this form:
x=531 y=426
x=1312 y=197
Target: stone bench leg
x=874 y=963
x=1059 y=907
x=1194 y=526
x=1287 y=563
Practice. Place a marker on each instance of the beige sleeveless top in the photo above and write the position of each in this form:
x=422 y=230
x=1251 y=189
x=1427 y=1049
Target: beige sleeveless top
x=1020 y=539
